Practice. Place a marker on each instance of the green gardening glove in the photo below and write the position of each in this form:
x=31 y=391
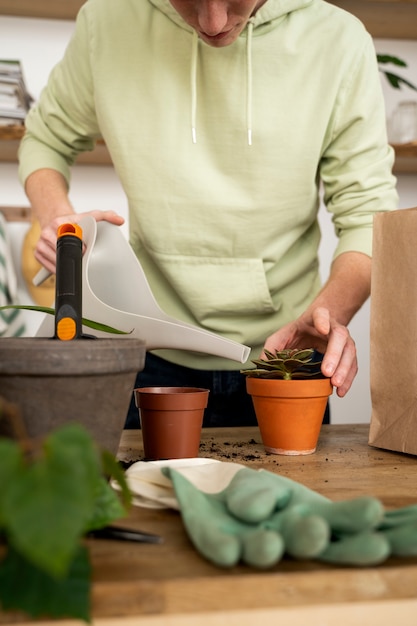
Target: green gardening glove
x=260 y=516
x=399 y=527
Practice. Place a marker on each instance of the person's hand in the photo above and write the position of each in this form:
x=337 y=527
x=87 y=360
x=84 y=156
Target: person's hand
x=45 y=251
x=317 y=329
x=260 y=516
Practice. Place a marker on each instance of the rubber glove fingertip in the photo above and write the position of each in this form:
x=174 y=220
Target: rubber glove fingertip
x=402 y=539
x=363 y=549
x=251 y=507
x=307 y=536
x=262 y=548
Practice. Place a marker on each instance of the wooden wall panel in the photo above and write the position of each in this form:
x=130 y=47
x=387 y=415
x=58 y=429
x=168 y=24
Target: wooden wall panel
x=57 y=9
x=390 y=19
x=384 y=19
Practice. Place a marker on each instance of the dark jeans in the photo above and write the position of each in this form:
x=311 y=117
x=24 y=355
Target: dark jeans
x=229 y=404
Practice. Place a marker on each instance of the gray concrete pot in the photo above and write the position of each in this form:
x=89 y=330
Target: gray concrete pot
x=54 y=382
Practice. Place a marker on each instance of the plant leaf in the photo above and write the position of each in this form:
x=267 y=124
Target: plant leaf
x=86 y=322
x=11 y=461
x=57 y=492
x=25 y=587
x=269 y=365
x=286 y=364
x=113 y=469
x=393 y=79
x=388 y=58
x=396 y=81
x=107 y=507
x=302 y=355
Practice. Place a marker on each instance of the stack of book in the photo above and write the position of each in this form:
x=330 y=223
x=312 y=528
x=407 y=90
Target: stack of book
x=15 y=100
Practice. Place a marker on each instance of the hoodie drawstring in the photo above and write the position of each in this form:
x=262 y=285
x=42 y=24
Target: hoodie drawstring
x=249 y=81
x=194 y=58
x=193 y=77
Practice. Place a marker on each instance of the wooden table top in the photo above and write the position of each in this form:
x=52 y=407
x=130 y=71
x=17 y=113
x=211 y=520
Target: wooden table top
x=171 y=584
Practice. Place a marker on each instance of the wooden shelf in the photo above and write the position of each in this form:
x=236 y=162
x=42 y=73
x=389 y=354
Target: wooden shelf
x=16 y=213
x=384 y=19
x=10 y=136
x=405 y=158
x=53 y=9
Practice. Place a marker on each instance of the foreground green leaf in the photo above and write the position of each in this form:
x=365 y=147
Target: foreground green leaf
x=56 y=492
x=107 y=509
x=113 y=469
x=11 y=462
x=51 y=494
x=24 y=587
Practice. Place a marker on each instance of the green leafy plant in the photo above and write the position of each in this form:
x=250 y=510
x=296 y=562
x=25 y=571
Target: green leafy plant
x=393 y=79
x=287 y=364
x=53 y=492
x=51 y=311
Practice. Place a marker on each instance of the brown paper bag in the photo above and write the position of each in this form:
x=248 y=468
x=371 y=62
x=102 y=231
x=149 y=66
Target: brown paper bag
x=393 y=342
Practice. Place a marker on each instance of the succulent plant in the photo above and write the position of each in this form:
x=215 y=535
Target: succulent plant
x=287 y=364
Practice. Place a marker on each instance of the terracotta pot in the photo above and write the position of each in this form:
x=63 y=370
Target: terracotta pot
x=54 y=382
x=289 y=412
x=171 y=420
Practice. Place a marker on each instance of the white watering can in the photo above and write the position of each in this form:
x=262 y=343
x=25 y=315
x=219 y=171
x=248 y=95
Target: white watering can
x=108 y=299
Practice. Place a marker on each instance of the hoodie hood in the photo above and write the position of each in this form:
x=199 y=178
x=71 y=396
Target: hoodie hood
x=264 y=19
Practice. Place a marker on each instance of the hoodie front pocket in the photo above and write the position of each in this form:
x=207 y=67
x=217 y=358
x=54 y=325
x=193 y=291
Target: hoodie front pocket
x=212 y=286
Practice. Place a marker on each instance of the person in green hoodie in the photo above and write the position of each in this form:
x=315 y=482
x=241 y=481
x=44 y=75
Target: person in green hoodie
x=227 y=121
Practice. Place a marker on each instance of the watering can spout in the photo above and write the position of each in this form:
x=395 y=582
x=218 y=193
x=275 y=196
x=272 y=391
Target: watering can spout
x=105 y=299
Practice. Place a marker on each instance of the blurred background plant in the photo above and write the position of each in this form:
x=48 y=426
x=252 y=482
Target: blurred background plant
x=393 y=79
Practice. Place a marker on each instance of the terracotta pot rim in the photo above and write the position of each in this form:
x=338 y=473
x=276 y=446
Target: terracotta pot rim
x=171 y=398
x=293 y=381
x=171 y=390
x=288 y=388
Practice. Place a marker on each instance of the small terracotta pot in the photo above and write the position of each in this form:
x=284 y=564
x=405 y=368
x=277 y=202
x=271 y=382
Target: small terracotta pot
x=171 y=420
x=289 y=412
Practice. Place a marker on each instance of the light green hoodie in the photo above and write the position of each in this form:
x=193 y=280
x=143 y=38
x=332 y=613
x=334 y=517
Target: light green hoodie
x=226 y=232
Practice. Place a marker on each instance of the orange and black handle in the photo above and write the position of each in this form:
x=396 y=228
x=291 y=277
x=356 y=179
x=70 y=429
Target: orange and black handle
x=68 y=285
